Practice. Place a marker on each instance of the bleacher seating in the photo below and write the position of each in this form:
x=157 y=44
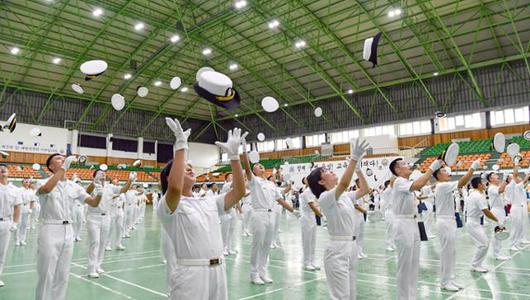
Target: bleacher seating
x=463 y=161
x=23 y=171
x=468 y=147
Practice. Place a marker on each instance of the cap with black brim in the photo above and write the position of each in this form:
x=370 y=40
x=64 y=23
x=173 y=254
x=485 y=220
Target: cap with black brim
x=230 y=100
x=93 y=68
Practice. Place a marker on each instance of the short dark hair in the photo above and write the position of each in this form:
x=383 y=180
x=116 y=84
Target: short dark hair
x=49 y=160
x=164 y=174
x=226 y=175
x=269 y=178
x=312 y=179
x=387 y=183
x=3 y=165
x=435 y=174
x=303 y=179
x=475 y=182
x=393 y=165
x=489 y=176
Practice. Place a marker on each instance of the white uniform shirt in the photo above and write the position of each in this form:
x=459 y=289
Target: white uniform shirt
x=105 y=205
x=340 y=213
x=58 y=204
x=9 y=197
x=508 y=191
x=476 y=202
x=226 y=187
x=445 y=204
x=27 y=196
x=118 y=204
x=306 y=197
x=194 y=227
x=496 y=198
x=519 y=194
x=264 y=193
x=427 y=191
x=403 y=202
x=386 y=198
x=131 y=198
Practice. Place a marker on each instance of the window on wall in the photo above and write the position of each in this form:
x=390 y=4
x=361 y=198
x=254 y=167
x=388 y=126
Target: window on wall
x=266 y=146
x=509 y=116
x=379 y=130
x=342 y=137
x=460 y=122
x=315 y=140
x=415 y=128
x=296 y=143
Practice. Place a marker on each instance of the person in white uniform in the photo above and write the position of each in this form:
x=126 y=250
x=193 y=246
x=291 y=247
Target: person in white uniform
x=477 y=207
x=361 y=212
x=338 y=205
x=35 y=211
x=79 y=216
x=264 y=196
x=496 y=191
x=116 y=223
x=445 y=219
x=27 y=196
x=518 y=210
x=386 y=200
x=308 y=226
x=193 y=224
x=278 y=209
x=56 y=236
x=228 y=220
x=10 y=202
x=427 y=197
x=98 y=220
x=132 y=197
x=246 y=211
x=407 y=237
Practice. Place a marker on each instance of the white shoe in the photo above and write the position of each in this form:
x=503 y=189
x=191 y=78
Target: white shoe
x=316 y=267
x=479 y=270
x=390 y=249
x=232 y=252
x=515 y=248
x=100 y=270
x=273 y=246
x=363 y=255
x=17 y=243
x=22 y=243
x=309 y=268
x=257 y=281
x=108 y=248
x=266 y=278
x=502 y=258
x=126 y=236
x=225 y=253
x=457 y=285
x=450 y=288
x=432 y=236
x=245 y=234
x=525 y=242
x=79 y=239
x=2 y=283
x=93 y=275
x=120 y=247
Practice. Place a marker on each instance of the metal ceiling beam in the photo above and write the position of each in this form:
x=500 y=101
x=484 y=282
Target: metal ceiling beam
x=46 y=107
x=520 y=47
x=397 y=51
x=456 y=48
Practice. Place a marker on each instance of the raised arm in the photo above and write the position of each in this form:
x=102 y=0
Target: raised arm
x=358 y=147
x=231 y=147
x=57 y=176
x=467 y=177
x=176 y=174
x=363 y=188
x=424 y=179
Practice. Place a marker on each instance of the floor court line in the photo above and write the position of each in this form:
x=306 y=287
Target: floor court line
x=100 y=285
x=127 y=282
x=133 y=269
x=282 y=289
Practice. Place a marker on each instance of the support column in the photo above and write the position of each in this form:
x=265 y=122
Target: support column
x=74 y=141
x=109 y=145
x=140 y=148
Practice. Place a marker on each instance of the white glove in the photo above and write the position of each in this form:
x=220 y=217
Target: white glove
x=68 y=161
x=13 y=227
x=476 y=164
x=30 y=211
x=133 y=176
x=181 y=136
x=296 y=214
x=358 y=147
x=244 y=142
x=437 y=164
x=231 y=147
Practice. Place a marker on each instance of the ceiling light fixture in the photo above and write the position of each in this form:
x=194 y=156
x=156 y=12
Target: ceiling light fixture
x=435 y=73
x=183 y=89
x=394 y=12
x=15 y=50
x=300 y=44
x=273 y=24
x=233 y=66
x=240 y=4
x=174 y=38
x=350 y=91
x=127 y=76
x=158 y=83
x=206 y=51
x=97 y=12
x=56 y=60
x=139 y=26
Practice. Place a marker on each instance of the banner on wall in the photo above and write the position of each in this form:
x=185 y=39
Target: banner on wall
x=375 y=169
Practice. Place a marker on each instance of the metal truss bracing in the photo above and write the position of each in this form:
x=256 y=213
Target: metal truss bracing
x=428 y=45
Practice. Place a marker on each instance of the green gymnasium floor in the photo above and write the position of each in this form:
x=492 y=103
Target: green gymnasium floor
x=137 y=272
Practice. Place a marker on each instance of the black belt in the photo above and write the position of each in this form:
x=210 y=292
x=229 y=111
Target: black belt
x=215 y=261
x=66 y=222
x=103 y=214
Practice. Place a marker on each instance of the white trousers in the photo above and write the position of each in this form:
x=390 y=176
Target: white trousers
x=340 y=264
x=277 y=211
x=497 y=244
x=359 y=231
x=22 y=228
x=228 y=224
x=447 y=234
x=117 y=229
x=78 y=220
x=518 y=215
x=198 y=283
x=408 y=257
x=54 y=254
x=5 y=237
x=129 y=218
x=427 y=217
x=98 y=231
x=309 y=237
x=480 y=239
x=168 y=254
x=35 y=214
x=263 y=229
x=247 y=215
x=389 y=229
